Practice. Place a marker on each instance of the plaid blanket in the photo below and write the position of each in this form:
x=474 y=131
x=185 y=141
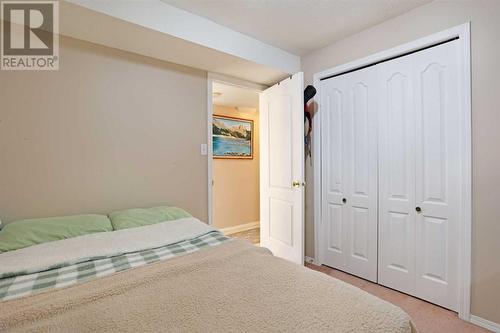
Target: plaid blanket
x=68 y=274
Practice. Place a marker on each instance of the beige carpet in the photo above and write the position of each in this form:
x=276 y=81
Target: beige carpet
x=428 y=318
x=252 y=235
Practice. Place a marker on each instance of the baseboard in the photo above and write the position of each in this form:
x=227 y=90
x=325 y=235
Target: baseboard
x=240 y=228
x=484 y=323
x=311 y=261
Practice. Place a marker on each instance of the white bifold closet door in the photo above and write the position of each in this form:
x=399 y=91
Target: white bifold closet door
x=419 y=174
x=349 y=172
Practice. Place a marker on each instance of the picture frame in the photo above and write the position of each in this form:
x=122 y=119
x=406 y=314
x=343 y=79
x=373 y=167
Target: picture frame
x=232 y=138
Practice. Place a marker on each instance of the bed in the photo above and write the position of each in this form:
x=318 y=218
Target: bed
x=177 y=276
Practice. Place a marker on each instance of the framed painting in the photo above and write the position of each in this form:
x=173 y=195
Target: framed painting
x=232 y=137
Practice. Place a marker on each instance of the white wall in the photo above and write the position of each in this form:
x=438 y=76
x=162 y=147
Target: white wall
x=484 y=16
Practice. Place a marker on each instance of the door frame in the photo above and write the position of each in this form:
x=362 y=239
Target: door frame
x=462 y=32
x=228 y=80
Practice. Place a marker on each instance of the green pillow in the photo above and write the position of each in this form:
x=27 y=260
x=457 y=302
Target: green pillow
x=137 y=217
x=24 y=233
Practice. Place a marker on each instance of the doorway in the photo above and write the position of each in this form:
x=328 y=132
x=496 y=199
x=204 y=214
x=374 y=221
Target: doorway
x=235 y=206
x=281 y=160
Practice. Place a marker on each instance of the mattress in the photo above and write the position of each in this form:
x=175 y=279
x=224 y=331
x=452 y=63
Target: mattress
x=178 y=276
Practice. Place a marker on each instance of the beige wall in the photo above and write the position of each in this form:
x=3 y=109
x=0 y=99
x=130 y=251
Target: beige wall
x=484 y=16
x=236 y=181
x=109 y=130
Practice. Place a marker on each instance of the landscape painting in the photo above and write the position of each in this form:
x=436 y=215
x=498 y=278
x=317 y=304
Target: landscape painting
x=232 y=137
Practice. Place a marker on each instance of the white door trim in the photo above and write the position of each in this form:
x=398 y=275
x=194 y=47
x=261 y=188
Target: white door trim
x=211 y=78
x=463 y=33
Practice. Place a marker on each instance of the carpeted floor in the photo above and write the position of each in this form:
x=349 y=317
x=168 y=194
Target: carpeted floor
x=428 y=318
x=252 y=235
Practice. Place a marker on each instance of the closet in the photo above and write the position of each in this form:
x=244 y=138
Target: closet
x=391 y=173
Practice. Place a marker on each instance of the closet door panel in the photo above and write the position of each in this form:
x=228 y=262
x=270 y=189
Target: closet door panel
x=334 y=227
x=437 y=173
x=349 y=173
x=360 y=234
x=398 y=225
x=361 y=139
x=396 y=175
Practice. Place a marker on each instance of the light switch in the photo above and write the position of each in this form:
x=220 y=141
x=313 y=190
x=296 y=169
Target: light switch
x=204 y=149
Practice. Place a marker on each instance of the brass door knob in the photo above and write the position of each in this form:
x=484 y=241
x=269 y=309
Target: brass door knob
x=296 y=184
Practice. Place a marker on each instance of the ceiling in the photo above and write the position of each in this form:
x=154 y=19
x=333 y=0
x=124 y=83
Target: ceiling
x=235 y=96
x=298 y=26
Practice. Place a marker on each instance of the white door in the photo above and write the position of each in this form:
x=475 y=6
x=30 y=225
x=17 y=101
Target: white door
x=420 y=174
x=396 y=175
x=282 y=169
x=349 y=173
x=438 y=174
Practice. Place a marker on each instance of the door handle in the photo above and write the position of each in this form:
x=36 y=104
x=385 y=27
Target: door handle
x=344 y=200
x=296 y=183
x=418 y=209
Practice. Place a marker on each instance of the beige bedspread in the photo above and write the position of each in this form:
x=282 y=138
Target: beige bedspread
x=233 y=287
